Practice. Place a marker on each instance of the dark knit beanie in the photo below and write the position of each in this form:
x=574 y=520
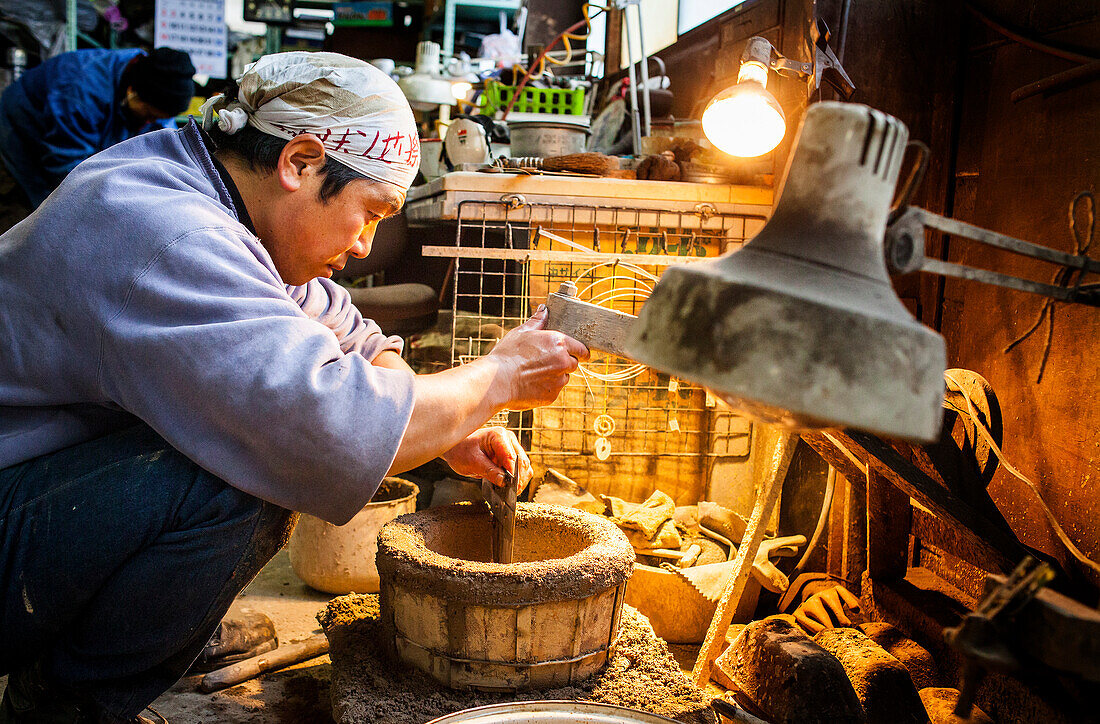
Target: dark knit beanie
x=163 y=79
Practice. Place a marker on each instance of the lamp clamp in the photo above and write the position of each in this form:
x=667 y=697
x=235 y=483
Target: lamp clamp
x=825 y=68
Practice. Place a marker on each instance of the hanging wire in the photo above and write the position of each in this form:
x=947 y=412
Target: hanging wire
x=607 y=298
x=1064 y=277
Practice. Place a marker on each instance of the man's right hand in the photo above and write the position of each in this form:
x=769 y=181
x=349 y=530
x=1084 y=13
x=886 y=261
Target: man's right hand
x=527 y=368
x=535 y=363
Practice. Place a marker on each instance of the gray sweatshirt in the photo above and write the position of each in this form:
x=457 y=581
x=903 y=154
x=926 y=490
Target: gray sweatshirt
x=135 y=292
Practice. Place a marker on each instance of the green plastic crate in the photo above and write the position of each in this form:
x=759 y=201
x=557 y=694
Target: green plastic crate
x=563 y=101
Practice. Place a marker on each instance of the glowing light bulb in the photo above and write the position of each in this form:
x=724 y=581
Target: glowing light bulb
x=745 y=120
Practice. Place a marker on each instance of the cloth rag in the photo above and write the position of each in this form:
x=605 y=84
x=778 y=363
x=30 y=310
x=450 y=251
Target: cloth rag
x=357 y=111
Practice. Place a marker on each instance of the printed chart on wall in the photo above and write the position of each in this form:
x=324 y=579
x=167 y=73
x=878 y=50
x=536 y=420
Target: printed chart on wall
x=196 y=27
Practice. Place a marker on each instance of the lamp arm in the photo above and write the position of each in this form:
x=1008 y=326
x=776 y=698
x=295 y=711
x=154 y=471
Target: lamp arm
x=905 y=253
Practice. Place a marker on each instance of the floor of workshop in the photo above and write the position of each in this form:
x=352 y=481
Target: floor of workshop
x=294 y=695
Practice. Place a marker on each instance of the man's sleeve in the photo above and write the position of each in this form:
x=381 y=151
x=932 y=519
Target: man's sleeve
x=331 y=305
x=212 y=353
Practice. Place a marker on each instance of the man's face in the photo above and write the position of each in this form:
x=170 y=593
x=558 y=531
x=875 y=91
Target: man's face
x=317 y=237
x=139 y=112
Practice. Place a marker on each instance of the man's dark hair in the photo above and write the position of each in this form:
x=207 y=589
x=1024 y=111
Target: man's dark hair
x=162 y=78
x=261 y=152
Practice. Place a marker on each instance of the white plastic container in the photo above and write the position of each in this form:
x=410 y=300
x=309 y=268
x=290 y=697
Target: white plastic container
x=340 y=559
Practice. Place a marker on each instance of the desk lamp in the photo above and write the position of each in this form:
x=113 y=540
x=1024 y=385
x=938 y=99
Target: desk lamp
x=745 y=119
x=801 y=327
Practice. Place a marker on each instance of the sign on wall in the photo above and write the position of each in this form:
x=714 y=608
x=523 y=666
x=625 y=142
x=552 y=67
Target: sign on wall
x=196 y=27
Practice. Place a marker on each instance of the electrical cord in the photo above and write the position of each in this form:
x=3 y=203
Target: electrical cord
x=564 y=36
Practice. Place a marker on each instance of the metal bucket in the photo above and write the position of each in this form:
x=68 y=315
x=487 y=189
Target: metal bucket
x=547 y=138
x=551 y=712
x=340 y=558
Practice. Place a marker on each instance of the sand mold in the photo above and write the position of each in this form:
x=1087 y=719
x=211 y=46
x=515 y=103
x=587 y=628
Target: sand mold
x=404 y=556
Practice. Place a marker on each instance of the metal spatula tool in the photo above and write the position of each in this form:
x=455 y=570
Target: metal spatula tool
x=502 y=504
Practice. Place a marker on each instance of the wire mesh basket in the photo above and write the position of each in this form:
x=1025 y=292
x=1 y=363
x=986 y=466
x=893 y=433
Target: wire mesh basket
x=618 y=427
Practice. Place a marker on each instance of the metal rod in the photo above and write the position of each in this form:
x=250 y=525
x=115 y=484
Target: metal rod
x=449 y=13
x=644 y=62
x=466 y=252
x=1008 y=243
x=635 y=132
x=961 y=271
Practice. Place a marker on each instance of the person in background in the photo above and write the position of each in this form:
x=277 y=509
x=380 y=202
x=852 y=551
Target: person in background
x=77 y=104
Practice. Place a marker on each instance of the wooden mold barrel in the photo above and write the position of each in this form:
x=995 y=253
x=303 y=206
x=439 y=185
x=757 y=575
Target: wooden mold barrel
x=547 y=619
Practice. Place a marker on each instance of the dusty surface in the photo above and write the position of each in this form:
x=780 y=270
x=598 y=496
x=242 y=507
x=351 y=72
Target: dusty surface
x=369 y=689
x=292 y=696
x=789 y=677
x=940 y=704
x=560 y=554
x=883 y=685
x=914 y=657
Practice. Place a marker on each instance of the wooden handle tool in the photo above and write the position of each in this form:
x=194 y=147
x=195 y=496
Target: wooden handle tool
x=595 y=326
x=251 y=668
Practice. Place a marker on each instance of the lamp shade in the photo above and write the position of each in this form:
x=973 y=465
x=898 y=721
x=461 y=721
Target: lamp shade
x=802 y=327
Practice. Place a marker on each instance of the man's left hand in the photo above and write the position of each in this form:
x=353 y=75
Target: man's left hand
x=490 y=453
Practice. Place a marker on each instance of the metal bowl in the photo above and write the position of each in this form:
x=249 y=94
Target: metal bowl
x=552 y=712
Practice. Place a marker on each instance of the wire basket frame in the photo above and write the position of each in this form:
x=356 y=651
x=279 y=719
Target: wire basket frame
x=618 y=427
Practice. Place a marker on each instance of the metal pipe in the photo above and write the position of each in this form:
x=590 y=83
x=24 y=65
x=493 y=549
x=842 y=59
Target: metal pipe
x=842 y=31
x=70 y=23
x=1058 y=81
x=636 y=136
x=644 y=61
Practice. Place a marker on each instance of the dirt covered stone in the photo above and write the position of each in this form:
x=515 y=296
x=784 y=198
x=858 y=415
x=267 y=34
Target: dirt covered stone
x=882 y=683
x=788 y=676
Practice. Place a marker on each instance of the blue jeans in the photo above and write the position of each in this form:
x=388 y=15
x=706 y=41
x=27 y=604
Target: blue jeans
x=118 y=558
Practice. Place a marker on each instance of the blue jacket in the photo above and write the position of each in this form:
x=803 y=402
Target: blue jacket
x=60 y=113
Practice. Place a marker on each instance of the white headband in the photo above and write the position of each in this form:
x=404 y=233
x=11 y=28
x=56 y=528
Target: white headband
x=356 y=110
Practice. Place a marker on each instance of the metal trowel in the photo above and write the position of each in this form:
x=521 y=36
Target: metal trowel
x=502 y=504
